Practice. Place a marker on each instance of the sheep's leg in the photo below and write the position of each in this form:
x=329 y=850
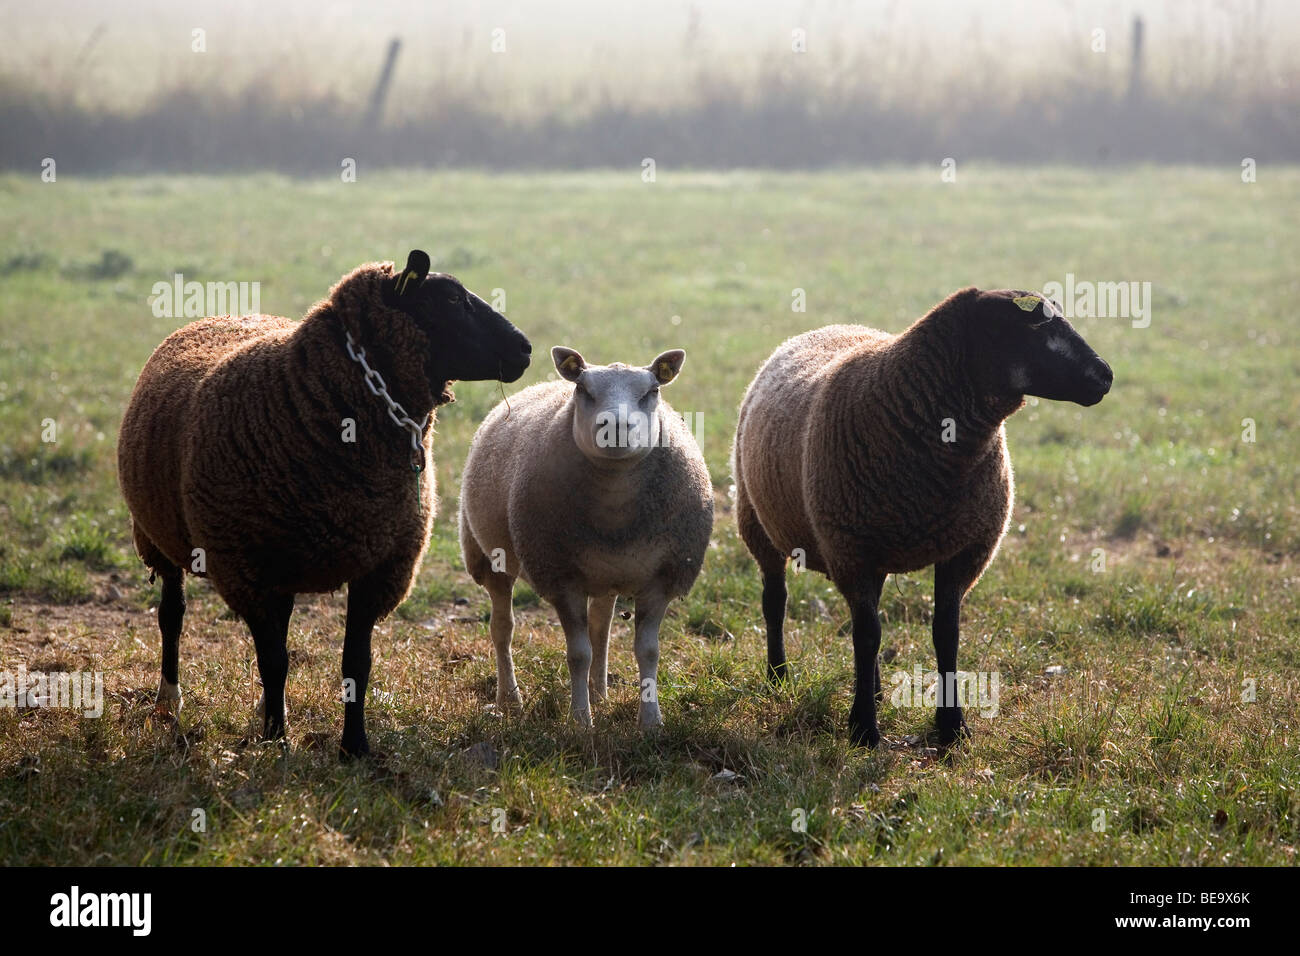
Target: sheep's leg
x=502 y=627
x=772 y=563
x=171 y=615
x=357 y=632
x=952 y=579
x=600 y=615
x=864 y=603
x=774 y=597
x=572 y=609
x=269 y=624
x=649 y=615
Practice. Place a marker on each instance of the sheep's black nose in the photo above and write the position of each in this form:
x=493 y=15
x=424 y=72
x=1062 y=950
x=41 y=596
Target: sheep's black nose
x=527 y=347
x=1100 y=373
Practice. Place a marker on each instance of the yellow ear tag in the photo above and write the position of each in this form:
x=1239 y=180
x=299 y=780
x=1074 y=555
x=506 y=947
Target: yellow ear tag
x=570 y=364
x=403 y=282
x=1027 y=302
x=665 y=371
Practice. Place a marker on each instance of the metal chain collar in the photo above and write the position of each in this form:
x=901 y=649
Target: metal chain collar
x=375 y=382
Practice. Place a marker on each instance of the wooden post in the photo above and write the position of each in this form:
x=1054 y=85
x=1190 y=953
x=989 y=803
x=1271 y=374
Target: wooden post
x=1135 y=69
x=376 y=109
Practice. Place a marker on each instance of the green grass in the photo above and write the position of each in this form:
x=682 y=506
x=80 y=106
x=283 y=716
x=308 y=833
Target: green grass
x=1126 y=692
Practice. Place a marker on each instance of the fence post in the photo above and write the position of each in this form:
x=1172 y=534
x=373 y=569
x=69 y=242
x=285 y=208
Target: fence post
x=1135 y=69
x=376 y=108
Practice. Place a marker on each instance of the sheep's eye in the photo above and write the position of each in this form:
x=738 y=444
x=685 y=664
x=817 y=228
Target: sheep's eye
x=454 y=298
x=653 y=391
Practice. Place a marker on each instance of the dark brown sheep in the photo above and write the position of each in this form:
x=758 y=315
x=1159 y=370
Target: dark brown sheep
x=868 y=454
x=256 y=451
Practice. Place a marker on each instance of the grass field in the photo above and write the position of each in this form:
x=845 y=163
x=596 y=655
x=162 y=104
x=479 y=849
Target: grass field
x=1126 y=692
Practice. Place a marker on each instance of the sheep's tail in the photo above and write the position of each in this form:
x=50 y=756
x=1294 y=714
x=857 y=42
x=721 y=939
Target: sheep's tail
x=149 y=552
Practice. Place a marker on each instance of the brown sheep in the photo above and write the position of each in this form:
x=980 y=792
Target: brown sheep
x=260 y=453
x=878 y=454
x=590 y=488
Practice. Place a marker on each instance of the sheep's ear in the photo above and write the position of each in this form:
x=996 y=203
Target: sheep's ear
x=1033 y=308
x=568 y=363
x=1041 y=309
x=409 y=279
x=1051 y=308
x=667 y=365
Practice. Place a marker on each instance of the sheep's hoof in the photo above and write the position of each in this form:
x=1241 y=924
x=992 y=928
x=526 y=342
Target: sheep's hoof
x=510 y=703
x=778 y=673
x=651 y=724
x=354 y=749
x=582 y=718
x=274 y=733
x=598 y=694
x=161 y=718
x=863 y=734
x=168 y=701
x=952 y=733
x=273 y=730
x=166 y=712
x=269 y=732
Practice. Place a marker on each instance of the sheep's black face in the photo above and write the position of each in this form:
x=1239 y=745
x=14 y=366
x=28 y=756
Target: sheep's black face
x=1032 y=350
x=468 y=339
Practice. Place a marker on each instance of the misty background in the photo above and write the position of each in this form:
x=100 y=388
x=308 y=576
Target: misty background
x=296 y=86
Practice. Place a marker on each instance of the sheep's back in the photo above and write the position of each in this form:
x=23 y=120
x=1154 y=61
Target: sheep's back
x=885 y=492
x=159 y=417
x=771 y=450
x=501 y=458
x=276 y=495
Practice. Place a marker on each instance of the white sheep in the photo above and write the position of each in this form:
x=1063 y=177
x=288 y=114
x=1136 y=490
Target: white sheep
x=589 y=488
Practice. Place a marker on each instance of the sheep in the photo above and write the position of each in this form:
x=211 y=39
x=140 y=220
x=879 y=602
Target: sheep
x=864 y=454
x=277 y=457
x=586 y=500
